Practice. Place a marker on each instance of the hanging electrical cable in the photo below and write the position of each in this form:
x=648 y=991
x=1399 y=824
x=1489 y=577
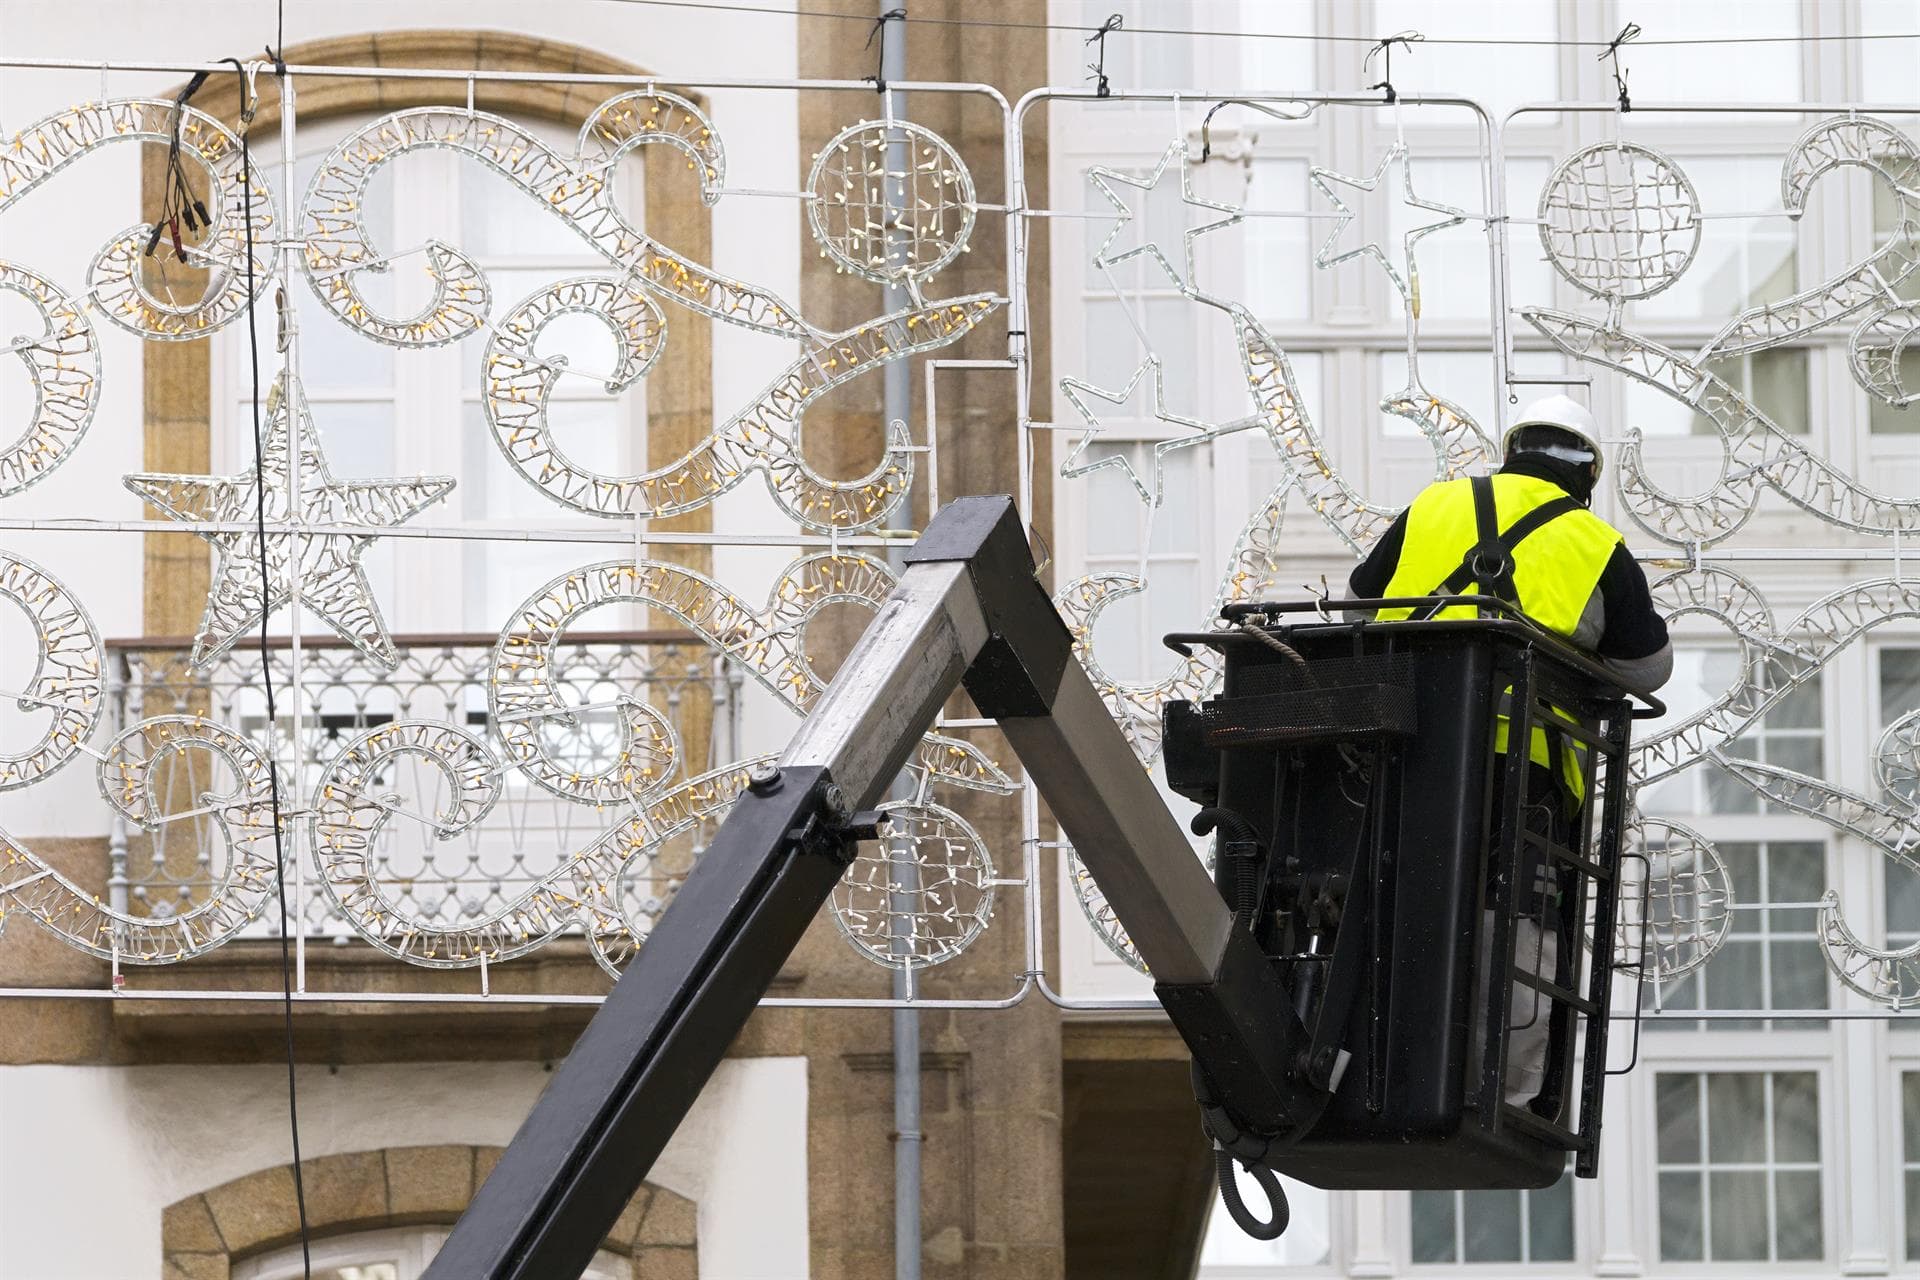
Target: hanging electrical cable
x=249 y=107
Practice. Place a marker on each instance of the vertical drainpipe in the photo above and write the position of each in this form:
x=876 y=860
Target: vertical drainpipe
x=897 y=406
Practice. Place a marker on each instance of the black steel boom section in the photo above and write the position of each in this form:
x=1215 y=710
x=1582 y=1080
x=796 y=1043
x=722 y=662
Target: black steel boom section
x=968 y=610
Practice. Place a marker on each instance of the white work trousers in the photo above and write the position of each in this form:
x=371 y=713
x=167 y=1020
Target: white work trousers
x=1529 y=1012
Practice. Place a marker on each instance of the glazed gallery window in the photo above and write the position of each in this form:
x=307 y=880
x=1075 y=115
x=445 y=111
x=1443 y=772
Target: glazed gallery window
x=1491 y=1226
x=1739 y=1166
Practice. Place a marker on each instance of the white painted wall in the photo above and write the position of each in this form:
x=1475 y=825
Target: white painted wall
x=92 y=1155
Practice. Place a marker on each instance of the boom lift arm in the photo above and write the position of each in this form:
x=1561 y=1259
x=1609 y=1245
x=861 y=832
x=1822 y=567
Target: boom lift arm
x=968 y=611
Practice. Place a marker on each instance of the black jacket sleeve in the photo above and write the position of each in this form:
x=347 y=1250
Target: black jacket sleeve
x=1370 y=577
x=1634 y=627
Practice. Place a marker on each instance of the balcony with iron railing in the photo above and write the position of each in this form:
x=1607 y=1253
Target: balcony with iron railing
x=434 y=877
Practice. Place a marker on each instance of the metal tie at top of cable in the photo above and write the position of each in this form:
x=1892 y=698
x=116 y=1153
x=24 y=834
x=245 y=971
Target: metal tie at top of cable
x=1385 y=49
x=1098 y=67
x=1612 y=53
x=879 y=76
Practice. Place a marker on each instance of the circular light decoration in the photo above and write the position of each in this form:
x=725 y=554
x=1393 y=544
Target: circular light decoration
x=921 y=893
x=1678 y=916
x=1619 y=220
x=848 y=206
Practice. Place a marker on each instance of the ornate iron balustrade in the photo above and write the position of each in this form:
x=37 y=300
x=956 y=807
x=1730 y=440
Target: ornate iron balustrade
x=341 y=693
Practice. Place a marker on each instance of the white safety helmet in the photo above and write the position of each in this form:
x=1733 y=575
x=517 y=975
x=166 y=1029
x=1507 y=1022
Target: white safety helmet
x=1565 y=413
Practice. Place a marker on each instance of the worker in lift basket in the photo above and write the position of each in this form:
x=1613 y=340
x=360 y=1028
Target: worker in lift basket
x=1569 y=571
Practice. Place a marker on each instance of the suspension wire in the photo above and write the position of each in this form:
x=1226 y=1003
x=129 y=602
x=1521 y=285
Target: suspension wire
x=718 y=6
x=249 y=105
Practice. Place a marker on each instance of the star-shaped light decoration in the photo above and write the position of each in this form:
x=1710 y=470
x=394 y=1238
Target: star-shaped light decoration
x=331 y=580
x=1406 y=277
x=1113 y=251
x=1078 y=392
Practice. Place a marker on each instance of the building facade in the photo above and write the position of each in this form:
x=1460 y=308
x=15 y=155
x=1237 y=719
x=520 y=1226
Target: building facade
x=1110 y=246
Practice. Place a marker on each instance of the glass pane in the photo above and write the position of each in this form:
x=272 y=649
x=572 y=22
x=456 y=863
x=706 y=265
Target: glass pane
x=1550 y=1223
x=1172 y=327
x=1738 y=1203
x=1899 y=682
x=1796 y=1118
x=1735 y=978
x=1910 y=1115
x=1796 y=872
x=1431 y=1214
x=1903 y=906
x=1799 y=976
x=1913 y=1214
x=1726 y=793
x=356 y=439
x=1677 y=1106
x=1797 y=1209
x=1115 y=513
x=1802 y=755
x=1680 y=1217
x=1742 y=860
x=1493 y=1226
x=1736 y=1117
x=595 y=434
x=1280 y=65
x=1798 y=708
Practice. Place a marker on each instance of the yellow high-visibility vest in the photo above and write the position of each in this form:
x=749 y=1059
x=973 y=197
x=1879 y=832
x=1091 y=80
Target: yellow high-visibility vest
x=1555 y=570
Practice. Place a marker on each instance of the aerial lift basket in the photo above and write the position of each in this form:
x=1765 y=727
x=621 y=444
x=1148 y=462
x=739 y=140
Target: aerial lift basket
x=1384 y=849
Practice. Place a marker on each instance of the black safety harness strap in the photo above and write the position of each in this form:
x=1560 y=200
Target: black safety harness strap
x=1488 y=564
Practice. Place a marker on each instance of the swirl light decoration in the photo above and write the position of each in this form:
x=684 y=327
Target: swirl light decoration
x=66 y=676
x=1849 y=141
x=130 y=772
x=764 y=436
x=66 y=681
x=64 y=363
x=116 y=282
x=578 y=188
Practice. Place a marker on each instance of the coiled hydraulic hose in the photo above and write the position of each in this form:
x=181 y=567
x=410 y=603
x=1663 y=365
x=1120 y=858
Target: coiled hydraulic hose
x=1278 y=1214
x=1243 y=874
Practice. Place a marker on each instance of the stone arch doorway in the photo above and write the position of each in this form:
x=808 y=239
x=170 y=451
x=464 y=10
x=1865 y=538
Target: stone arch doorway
x=203 y=1235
